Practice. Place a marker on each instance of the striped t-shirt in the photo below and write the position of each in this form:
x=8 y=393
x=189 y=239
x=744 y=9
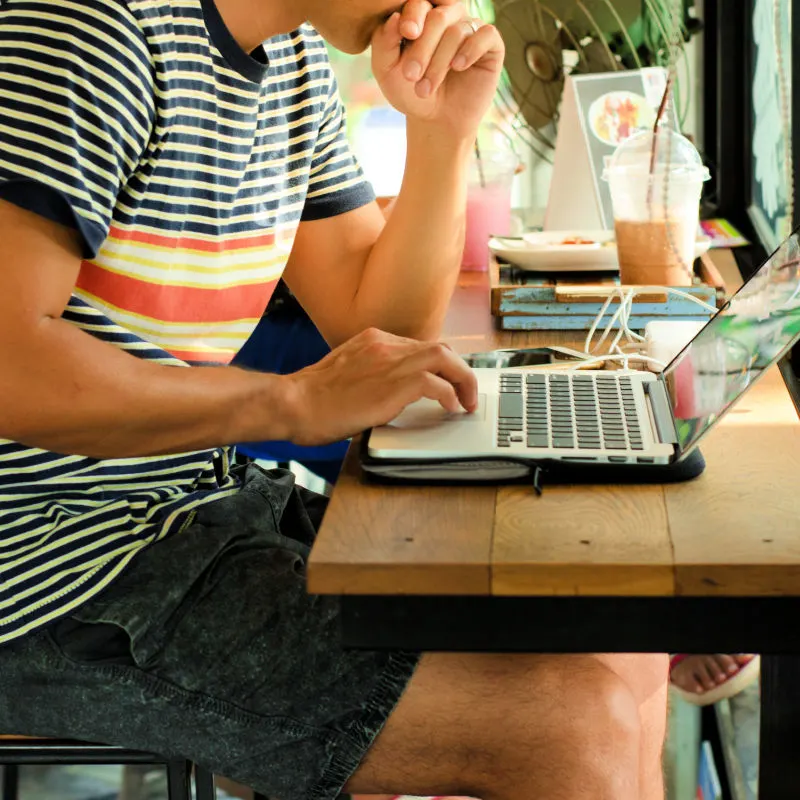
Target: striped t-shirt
x=186 y=165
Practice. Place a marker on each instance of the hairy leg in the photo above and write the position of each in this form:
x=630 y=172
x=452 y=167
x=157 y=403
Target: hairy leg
x=508 y=726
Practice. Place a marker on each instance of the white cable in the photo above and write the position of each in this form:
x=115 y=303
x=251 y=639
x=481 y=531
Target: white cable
x=620 y=357
x=621 y=319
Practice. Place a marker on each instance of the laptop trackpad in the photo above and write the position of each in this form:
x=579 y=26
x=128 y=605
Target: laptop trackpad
x=427 y=413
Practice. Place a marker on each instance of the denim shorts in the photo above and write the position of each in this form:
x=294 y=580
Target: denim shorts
x=209 y=648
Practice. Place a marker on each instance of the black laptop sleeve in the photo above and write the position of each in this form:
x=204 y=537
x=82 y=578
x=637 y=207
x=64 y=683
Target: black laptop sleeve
x=511 y=470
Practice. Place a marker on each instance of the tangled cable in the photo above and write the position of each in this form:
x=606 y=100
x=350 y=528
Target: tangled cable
x=621 y=319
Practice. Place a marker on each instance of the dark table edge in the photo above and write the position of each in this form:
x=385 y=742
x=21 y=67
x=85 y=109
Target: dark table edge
x=572 y=624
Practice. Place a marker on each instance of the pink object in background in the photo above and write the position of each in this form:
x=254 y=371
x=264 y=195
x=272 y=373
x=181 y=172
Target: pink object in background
x=488 y=214
x=488 y=206
x=683 y=388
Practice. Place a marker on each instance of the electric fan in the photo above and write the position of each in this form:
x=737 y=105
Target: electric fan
x=546 y=40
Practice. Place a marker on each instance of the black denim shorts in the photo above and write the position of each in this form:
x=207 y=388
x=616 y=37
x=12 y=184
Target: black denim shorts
x=209 y=648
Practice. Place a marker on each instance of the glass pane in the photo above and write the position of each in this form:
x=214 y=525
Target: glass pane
x=376 y=131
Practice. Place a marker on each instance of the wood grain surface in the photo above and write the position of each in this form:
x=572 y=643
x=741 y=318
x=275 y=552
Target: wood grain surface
x=733 y=532
x=403 y=539
x=595 y=540
x=735 y=529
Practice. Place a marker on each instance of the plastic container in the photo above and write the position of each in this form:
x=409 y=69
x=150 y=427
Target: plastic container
x=488 y=206
x=656 y=207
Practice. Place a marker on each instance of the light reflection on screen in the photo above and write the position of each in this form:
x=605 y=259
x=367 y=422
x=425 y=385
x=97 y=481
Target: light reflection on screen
x=754 y=329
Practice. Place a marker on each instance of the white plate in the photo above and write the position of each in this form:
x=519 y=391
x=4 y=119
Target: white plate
x=547 y=252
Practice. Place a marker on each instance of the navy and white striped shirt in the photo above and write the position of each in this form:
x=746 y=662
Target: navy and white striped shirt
x=186 y=165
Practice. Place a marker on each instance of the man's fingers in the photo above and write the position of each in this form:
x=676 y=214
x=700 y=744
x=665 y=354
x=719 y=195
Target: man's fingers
x=460 y=375
x=440 y=63
x=405 y=362
x=412 y=18
x=435 y=388
x=386 y=45
x=418 y=54
x=486 y=42
x=468 y=394
x=442 y=361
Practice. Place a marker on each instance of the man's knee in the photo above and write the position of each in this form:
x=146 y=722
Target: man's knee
x=603 y=710
x=582 y=699
x=591 y=734
x=605 y=733
x=474 y=725
x=647 y=674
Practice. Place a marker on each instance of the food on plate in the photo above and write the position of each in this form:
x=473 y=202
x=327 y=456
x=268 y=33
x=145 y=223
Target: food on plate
x=582 y=240
x=577 y=240
x=616 y=115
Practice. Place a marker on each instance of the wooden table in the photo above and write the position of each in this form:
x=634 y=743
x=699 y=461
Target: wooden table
x=707 y=566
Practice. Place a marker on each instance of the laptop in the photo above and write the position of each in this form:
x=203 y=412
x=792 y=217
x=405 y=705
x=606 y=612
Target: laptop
x=624 y=417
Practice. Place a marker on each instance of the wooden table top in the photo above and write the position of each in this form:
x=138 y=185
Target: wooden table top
x=735 y=531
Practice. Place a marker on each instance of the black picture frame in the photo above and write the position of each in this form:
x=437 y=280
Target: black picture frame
x=728 y=66
x=729 y=63
x=724 y=98
x=794 y=114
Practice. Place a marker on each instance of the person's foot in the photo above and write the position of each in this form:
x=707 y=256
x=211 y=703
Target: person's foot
x=702 y=673
x=705 y=679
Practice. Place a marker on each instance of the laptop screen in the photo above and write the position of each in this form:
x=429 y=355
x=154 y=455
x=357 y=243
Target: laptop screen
x=754 y=329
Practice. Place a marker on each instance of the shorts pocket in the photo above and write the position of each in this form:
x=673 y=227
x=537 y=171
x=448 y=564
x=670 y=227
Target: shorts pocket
x=93 y=643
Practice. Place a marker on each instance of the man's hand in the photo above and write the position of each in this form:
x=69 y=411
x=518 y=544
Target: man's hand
x=368 y=381
x=434 y=67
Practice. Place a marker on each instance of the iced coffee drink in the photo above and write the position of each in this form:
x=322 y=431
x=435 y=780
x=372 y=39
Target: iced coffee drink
x=657 y=252
x=655 y=194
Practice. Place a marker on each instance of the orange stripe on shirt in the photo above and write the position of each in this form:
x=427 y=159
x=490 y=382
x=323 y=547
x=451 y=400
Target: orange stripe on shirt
x=193 y=357
x=175 y=303
x=221 y=245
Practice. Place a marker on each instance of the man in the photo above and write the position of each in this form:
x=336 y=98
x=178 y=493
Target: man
x=159 y=171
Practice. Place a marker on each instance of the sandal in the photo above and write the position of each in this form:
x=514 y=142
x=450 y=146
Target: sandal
x=734 y=683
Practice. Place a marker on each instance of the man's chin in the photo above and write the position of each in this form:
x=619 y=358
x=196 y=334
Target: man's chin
x=348 y=45
x=352 y=42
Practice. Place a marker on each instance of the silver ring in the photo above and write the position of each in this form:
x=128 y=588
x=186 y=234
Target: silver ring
x=474 y=24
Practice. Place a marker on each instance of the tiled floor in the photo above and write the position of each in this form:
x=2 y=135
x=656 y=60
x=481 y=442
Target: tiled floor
x=94 y=782
x=69 y=782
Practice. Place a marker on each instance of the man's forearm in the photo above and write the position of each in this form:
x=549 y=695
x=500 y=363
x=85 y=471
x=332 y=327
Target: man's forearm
x=412 y=269
x=63 y=390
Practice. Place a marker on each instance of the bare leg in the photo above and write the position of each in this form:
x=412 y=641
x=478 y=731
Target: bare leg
x=648 y=679
x=500 y=727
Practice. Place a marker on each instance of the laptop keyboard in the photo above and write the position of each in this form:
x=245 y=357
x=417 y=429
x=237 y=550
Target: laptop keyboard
x=574 y=411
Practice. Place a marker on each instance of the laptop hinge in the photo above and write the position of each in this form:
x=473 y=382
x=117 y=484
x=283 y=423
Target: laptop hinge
x=662 y=411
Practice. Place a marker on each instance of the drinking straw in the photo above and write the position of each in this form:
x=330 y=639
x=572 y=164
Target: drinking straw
x=656 y=126
x=481 y=175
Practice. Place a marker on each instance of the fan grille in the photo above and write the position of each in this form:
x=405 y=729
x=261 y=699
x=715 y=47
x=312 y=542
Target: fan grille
x=546 y=40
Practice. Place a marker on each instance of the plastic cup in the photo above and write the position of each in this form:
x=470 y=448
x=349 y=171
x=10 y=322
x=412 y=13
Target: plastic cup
x=656 y=208
x=488 y=206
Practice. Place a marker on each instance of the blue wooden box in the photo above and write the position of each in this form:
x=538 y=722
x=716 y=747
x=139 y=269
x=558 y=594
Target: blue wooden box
x=571 y=301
